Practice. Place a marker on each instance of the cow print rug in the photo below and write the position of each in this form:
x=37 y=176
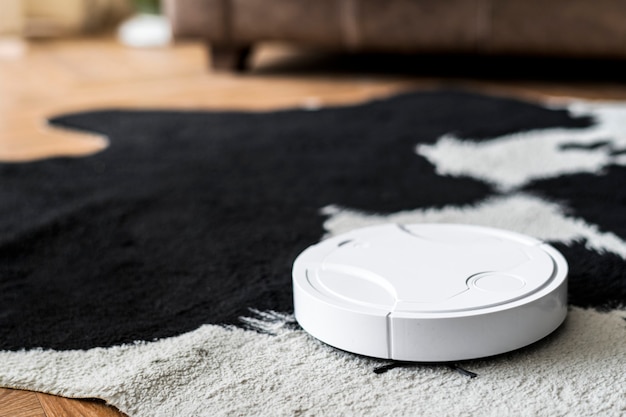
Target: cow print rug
x=156 y=274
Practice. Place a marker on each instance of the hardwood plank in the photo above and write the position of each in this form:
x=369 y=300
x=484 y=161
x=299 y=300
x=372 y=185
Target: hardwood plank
x=16 y=403
x=65 y=407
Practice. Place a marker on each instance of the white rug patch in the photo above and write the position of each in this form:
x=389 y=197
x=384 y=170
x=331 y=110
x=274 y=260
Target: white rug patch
x=518 y=212
x=535 y=154
x=218 y=371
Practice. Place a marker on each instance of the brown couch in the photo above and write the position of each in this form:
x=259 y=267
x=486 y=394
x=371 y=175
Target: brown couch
x=581 y=28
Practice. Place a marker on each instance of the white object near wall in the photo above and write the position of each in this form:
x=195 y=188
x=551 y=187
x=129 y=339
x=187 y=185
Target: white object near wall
x=145 y=31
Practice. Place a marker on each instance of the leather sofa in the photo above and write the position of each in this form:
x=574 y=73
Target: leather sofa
x=575 y=28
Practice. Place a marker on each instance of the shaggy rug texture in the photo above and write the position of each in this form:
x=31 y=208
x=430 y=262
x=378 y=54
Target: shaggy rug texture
x=156 y=274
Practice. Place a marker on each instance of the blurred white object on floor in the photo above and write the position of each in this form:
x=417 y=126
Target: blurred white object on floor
x=145 y=31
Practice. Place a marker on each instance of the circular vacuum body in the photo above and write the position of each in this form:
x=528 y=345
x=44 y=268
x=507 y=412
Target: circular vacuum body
x=430 y=292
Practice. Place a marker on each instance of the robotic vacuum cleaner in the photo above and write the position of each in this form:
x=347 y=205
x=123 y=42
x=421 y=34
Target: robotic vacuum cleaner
x=430 y=292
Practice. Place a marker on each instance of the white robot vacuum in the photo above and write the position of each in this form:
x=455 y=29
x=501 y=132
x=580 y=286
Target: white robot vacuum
x=430 y=292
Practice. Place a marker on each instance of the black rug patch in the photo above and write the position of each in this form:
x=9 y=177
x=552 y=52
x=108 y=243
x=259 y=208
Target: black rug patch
x=599 y=199
x=195 y=217
x=595 y=279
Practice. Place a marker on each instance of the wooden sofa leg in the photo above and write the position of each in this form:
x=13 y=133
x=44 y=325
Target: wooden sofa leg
x=230 y=58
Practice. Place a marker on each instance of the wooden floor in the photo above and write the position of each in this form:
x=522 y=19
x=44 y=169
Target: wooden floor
x=48 y=78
